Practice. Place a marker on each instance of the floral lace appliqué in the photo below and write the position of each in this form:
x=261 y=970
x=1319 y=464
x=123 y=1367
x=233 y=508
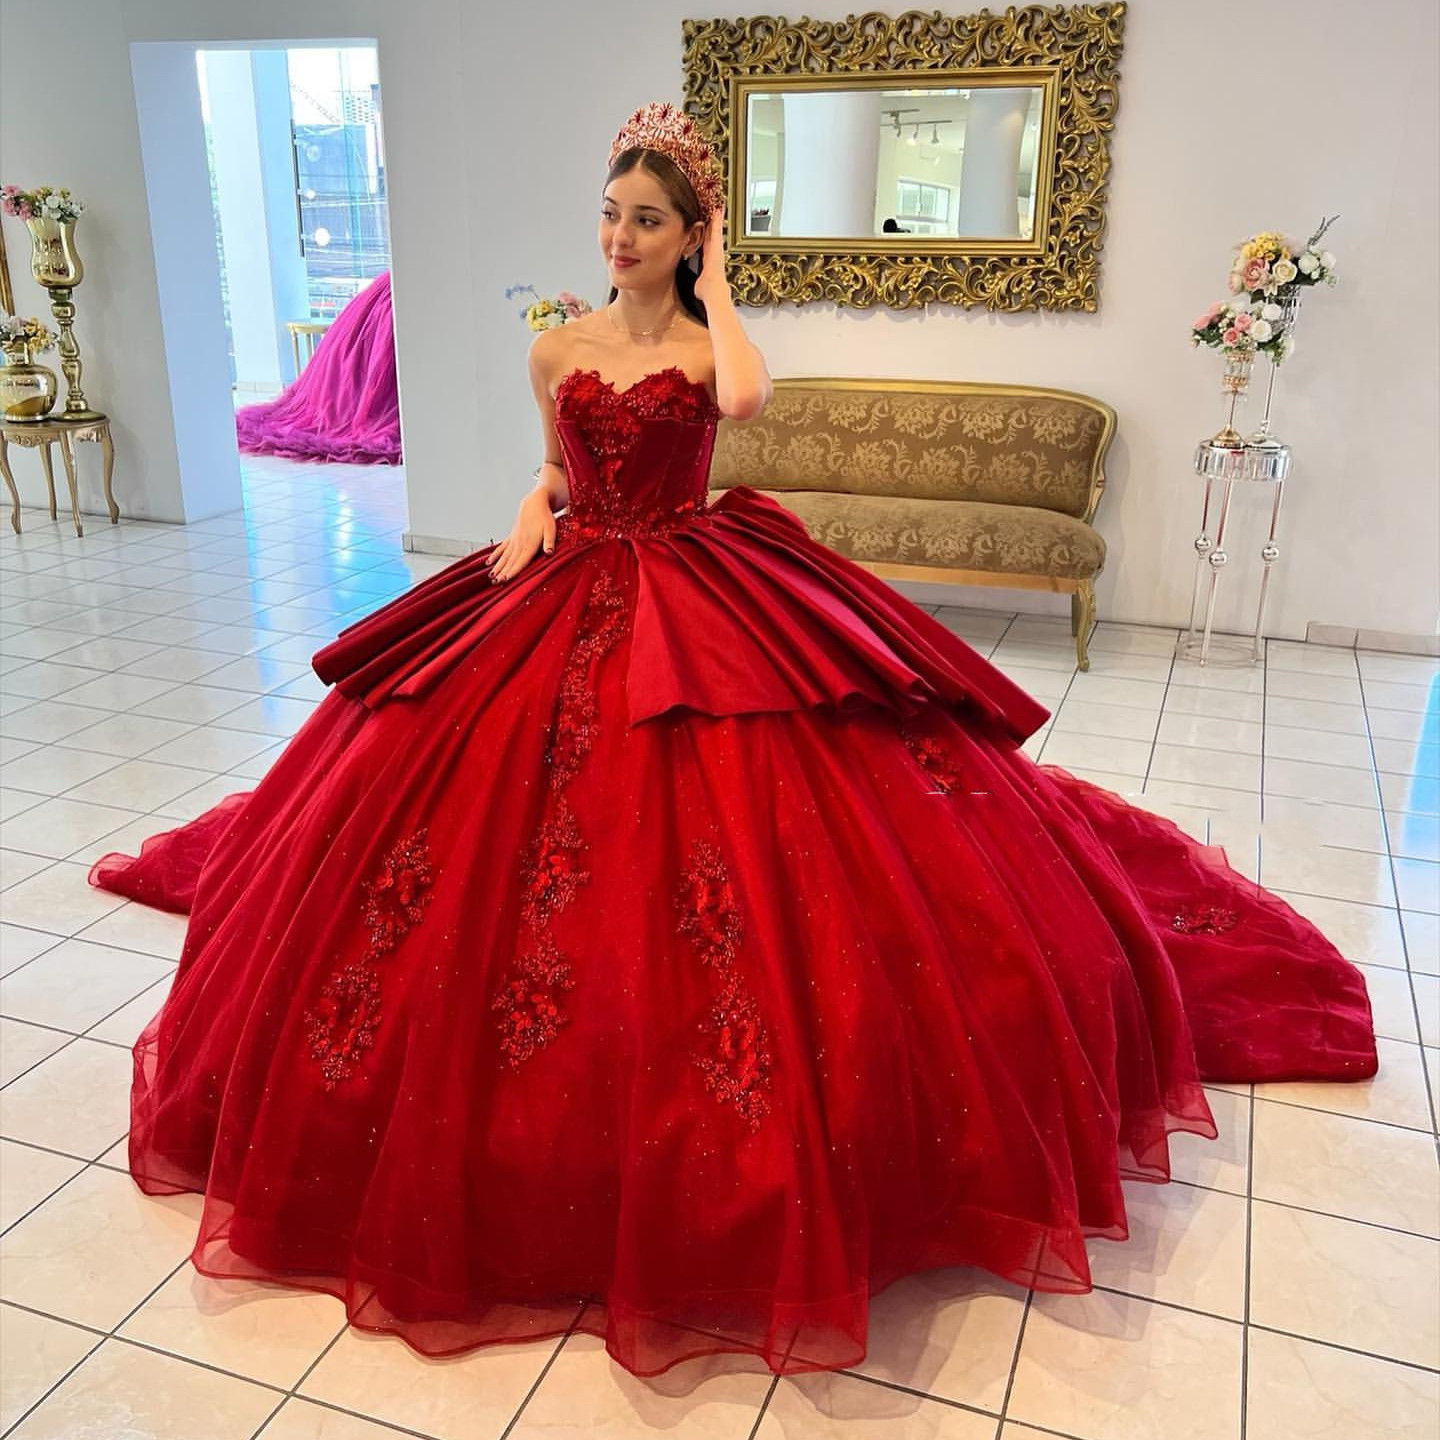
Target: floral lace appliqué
x=395 y=900
x=528 y=1010
x=342 y=1025
x=937 y=761
x=736 y=1059
x=709 y=918
x=1204 y=920
x=555 y=873
x=528 y=1006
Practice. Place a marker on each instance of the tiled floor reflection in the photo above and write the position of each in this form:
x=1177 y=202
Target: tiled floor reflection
x=1286 y=1287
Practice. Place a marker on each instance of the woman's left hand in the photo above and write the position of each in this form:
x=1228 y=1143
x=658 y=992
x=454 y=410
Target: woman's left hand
x=711 y=286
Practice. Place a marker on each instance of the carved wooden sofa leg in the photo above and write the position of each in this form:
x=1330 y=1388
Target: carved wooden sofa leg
x=1082 y=618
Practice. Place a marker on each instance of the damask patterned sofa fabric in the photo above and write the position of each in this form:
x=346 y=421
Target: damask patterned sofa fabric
x=981 y=443
x=998 y=539
x=952 y=481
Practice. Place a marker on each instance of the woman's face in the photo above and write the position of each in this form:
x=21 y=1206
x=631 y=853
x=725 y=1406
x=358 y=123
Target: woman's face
x=642 y=234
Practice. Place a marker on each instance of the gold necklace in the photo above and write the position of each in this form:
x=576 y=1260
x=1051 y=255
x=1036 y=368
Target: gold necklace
x=659 y=329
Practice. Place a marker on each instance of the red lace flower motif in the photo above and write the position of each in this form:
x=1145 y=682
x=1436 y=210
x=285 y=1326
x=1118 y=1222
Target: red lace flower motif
x=1204 y=920
x=396 y=899
x=555 y=873
x=573 y=734
x=709 y=916
x=342 y=1026
x=939 y=764
x=528 y=1006
x=737 y=1069
x=737 y=1061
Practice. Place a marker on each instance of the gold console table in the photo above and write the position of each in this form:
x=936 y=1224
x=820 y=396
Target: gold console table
x=41 y=435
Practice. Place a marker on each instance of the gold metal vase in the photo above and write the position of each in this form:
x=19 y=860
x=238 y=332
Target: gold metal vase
x=55 y=264
x=27 y=390
x=54 y=261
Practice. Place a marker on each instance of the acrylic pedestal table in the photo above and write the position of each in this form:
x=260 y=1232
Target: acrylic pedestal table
x=1224 y=467
x=41 y=434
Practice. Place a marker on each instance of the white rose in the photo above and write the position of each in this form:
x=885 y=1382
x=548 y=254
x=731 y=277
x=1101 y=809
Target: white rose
x=1283 y=271
x=1261 y=331
x=1327 y=259
x=1270 y=311
x=1309 y=263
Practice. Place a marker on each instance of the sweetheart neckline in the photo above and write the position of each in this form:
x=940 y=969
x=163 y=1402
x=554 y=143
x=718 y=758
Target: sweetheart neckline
x=620 y=392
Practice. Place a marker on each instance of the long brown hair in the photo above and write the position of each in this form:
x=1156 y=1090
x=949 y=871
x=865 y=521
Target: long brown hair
x=681 y=195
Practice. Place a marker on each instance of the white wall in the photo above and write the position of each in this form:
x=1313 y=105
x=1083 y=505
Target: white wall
x=497 y=152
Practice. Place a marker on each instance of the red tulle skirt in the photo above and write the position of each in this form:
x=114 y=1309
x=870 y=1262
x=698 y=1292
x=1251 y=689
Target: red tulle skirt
x=501 y=1013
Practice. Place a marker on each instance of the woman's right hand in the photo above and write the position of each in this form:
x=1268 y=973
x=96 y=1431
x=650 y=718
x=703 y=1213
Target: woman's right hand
x=534 y=529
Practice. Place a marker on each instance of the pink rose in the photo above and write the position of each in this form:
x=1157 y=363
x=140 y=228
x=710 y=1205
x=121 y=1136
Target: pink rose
x=1243 y=322
x=1231 y=336
x=1254 y=273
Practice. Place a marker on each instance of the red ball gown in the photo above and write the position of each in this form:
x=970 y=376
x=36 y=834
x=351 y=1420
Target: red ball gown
x=674 y=943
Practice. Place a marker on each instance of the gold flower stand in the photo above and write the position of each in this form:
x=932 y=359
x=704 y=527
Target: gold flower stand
x=41 y=435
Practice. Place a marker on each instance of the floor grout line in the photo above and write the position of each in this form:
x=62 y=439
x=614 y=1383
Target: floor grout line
x=1400 y=917
x=1249 y=1266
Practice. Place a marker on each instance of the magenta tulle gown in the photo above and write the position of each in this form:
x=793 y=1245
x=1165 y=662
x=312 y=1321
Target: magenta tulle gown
x=344 y=406
x=674 y=943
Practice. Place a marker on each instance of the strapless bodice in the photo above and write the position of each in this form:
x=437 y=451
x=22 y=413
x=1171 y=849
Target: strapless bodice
x=638 y=459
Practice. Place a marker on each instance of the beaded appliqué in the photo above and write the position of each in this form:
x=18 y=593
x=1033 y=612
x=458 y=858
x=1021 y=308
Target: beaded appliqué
x=341 y=1027
x=1204 y=920
x=937 y=762
x=527 y=1007
x=737 y=1059
x=555 y=874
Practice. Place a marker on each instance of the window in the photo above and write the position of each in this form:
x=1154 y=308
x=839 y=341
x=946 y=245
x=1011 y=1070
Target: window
x=339 y=172
x=922 y=209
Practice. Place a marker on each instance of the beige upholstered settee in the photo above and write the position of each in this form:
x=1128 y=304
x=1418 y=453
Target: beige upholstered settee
x=935 y=480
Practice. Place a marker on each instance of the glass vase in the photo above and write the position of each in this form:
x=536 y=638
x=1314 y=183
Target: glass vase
x=1239 y=362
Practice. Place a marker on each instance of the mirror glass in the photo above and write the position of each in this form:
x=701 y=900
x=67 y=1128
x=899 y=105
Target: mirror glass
x=852 y=164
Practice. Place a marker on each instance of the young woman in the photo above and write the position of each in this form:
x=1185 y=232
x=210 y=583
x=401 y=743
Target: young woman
x=658 y=931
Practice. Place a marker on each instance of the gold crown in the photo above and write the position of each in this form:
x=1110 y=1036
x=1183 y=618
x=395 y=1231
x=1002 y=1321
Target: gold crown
x=661 y=126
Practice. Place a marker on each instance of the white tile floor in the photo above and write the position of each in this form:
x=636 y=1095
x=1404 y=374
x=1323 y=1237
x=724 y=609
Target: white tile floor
x=1286 y=1288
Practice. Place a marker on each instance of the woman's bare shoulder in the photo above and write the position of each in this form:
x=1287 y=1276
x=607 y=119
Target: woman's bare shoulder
x=551 y=354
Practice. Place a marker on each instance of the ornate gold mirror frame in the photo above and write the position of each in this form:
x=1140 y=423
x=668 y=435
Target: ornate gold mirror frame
x=1070 y=53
